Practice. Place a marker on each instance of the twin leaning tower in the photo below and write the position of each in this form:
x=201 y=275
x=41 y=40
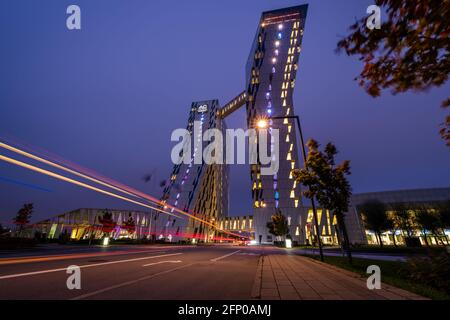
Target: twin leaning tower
x=202 y=189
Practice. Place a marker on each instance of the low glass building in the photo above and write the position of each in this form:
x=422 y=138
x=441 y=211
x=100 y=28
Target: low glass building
x=82 y=224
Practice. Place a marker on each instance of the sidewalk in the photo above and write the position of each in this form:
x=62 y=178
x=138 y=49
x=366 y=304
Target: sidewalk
x=288 y=277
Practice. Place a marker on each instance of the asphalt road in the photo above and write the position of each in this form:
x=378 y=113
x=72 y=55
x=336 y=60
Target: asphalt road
x=145 y=272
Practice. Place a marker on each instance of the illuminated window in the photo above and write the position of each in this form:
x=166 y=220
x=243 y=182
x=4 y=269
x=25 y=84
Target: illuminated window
x=310 y=216
x=292 y=194
x=319 y=215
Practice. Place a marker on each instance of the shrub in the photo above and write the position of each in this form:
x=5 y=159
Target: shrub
x=433 y=270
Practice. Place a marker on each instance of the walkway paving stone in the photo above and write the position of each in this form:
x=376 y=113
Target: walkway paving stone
x=292 y=277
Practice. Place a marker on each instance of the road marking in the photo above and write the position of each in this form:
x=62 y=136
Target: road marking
x=87 y=295
x=30 y=259
x=225 y=256
x=84 y=266
x=159 y=262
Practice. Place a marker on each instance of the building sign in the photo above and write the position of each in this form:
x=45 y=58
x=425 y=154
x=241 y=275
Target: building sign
x=202 y=108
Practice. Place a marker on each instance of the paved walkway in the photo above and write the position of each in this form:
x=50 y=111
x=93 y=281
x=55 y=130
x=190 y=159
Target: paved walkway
x=288 y=277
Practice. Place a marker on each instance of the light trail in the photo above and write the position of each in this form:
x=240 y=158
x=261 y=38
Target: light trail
x=78 y=183
x=55 y=165
x=84 y=185
x=122 y=188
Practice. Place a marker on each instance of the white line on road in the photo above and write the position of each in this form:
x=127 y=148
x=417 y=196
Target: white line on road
x=31 y=259
x=87 y=295
x=84 y=266
x=159 y=262
x=225 y=256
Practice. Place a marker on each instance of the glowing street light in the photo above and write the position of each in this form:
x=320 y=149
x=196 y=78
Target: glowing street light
x=262 y=124
x=288 y=243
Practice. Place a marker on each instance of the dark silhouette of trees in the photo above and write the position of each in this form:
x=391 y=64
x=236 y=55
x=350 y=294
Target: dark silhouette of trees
x=429 y=218
x=444 y=213
x=443 y=209
x=404 y=218
x=108 y=224
x=3 y=231
x=129 y=225
x=326 y=181
x=23 y=217
x=411 y=51
x=375 y=217
x=278 y=226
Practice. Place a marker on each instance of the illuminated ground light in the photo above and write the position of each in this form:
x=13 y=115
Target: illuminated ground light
x=288 y=243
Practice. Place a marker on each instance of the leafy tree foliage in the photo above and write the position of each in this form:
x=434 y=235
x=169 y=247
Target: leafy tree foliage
x=129 y=224
x=443 y=209
x=326 y=181
x=278 y=226
x=23 y=216
x=375 y=217
x=404 y=218
x=411 y=51
x=427 y=221
x=108 y=224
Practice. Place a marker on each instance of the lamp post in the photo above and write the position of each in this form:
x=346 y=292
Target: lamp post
x=263 y=124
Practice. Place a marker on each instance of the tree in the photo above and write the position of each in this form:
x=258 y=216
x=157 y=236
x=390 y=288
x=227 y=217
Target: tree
x=3 y=231
x=23 y=217
x=326 y=181
x=411 y=51
x=403 y=218
x=375 y=217
x=108 y=224
x=278 y=226
x=427 y=221
x=130 y=225
x=443 y=209
x=395 y=225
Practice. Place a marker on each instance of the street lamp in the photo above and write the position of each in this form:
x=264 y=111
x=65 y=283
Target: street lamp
x=262 y=124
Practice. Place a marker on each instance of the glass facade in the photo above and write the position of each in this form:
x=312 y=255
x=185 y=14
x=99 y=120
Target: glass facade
x=270 y=74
